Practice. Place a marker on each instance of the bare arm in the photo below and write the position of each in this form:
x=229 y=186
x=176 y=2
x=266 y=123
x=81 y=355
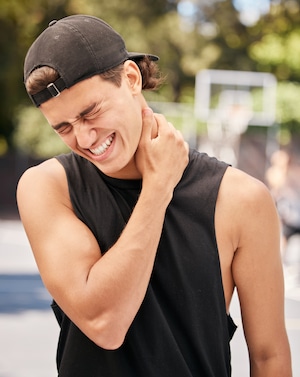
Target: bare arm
x=257 y=273
x=101 y=294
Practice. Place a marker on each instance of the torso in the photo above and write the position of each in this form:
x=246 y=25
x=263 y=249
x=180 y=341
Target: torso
x=224 y=229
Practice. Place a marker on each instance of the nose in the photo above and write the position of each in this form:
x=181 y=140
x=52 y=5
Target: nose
x=85 y=135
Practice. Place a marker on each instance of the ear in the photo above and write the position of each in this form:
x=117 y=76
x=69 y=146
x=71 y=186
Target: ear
x=133 y=76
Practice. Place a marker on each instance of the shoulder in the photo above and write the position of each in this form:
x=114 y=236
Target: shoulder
x=248 y=203
x=49 y=170
x=239 y=188
x=204 y=161
x=48 y=179
x=202 y=168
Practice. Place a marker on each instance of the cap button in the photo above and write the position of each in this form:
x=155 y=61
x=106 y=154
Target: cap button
x=51 y=23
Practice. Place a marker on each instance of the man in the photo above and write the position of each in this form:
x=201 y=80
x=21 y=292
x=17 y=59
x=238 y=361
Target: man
x=140 y=242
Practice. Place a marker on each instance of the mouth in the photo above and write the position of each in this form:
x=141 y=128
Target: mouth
x=104 y=146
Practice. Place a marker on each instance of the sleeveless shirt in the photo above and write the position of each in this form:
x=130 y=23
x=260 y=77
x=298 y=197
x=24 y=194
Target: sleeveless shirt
x=182 y=328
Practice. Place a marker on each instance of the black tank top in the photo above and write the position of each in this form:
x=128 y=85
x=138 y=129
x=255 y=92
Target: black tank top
x=182 y=328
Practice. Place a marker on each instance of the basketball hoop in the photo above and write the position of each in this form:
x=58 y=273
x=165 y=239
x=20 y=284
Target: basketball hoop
x=230 y=117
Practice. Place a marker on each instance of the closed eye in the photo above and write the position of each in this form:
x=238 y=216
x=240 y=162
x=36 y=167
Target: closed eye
x=92 y=115
x=63 y=128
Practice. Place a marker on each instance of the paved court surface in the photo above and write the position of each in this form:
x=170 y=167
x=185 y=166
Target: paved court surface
x=28 y=330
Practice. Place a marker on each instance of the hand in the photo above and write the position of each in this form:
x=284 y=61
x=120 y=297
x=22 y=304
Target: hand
x=162 y=153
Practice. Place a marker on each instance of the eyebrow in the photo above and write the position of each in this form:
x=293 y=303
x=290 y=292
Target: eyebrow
x=84 y=112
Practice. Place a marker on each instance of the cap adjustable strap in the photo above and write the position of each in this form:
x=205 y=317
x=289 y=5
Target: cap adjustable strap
x=53 y=90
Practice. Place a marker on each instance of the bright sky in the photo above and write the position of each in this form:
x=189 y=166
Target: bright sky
x=261 y=5
x=250 y=10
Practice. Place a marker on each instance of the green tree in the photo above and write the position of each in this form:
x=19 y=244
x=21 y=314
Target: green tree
x=277 y=45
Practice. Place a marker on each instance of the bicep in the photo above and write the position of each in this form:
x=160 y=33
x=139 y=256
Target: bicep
x=64 y=248
x=257 y=271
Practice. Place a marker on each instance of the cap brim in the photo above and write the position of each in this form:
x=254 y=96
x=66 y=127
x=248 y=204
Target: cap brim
x=140 y=55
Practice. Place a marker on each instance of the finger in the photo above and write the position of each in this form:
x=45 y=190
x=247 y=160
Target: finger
x=179 y=132
x=148 y=120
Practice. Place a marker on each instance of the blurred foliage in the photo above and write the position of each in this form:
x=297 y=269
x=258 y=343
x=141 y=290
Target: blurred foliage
x=288 y=109
x=277 y=45
x=210 y=36
x=34 y=136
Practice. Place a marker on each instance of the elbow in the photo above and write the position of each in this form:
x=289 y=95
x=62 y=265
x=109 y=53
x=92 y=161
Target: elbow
x=108 y=335
x=110 y=343
x=106 y=327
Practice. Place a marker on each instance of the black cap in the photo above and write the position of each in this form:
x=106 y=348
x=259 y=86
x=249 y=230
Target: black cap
x=77 y=47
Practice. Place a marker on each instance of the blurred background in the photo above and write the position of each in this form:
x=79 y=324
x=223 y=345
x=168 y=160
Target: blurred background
x=232 y=86
x=232 y=76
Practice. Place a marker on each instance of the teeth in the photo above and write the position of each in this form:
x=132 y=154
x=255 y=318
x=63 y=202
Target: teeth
x=103 y=147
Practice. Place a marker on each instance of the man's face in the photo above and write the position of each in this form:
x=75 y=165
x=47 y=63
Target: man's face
x=100 y=121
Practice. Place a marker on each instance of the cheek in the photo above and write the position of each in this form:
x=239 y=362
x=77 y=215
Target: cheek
x=69 y=140
x=136 y=135
x=132 y=127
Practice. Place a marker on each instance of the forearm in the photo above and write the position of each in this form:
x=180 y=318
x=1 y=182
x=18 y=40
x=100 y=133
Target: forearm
x=119 y=280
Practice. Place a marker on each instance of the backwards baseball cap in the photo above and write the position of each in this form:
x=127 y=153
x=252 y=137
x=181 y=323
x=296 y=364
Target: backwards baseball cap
x=77 y=47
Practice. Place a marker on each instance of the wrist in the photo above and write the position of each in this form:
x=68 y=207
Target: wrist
x=157 y=191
